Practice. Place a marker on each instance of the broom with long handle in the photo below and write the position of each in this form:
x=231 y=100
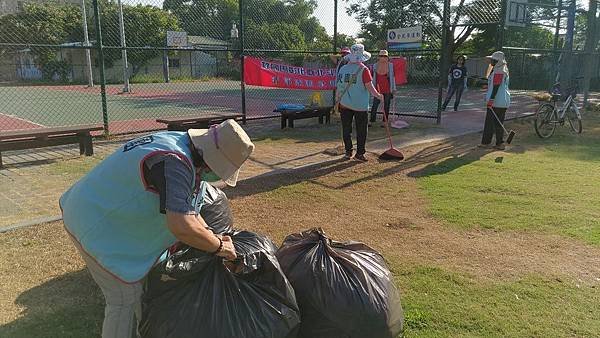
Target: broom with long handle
x=511 y=134
x=392 y=154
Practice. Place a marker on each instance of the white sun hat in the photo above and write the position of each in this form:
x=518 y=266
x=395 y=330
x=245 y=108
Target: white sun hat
x=358 y=54
x=498 y=56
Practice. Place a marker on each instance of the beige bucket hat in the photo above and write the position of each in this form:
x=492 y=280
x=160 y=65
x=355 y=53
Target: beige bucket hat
x=225 y=147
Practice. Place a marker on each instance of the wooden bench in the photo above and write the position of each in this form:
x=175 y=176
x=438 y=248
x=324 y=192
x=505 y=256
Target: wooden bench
x=47 y=137
x=198 y=122
x=288 y=116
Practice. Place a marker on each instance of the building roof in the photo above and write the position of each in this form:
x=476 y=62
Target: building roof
x=195 y=40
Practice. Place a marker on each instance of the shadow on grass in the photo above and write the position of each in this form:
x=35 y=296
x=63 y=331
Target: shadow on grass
x=453 y=147
x=308 y=130
x=450 y=164
x=278 y=179
x=70 y=305
x=275 y=180
x=582 y=147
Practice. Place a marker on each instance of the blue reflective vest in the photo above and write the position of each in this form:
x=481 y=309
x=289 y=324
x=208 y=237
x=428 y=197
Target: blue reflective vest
x=356 y=97
x=502 y=99
x=115 y=216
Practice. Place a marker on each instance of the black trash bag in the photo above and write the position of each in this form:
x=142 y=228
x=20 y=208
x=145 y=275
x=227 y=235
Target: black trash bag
x=344 y=290
x=215 y=209
x=193 y=294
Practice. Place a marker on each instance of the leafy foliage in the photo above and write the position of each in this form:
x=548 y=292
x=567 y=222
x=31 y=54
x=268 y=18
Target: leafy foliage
x=144 y=26
x=43 y=24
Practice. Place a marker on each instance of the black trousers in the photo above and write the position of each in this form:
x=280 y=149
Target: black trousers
x=454 y=89
x=387 y=100
x=492 y=126
x=361 y=120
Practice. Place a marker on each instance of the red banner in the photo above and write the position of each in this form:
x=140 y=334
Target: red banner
x=399 y=65
x=400 y=70
x=264 y=73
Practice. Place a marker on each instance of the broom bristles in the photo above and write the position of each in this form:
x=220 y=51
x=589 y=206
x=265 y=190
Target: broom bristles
x=510 y=137
x=392 y=154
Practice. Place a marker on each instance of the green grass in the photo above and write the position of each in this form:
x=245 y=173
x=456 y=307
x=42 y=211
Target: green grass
x=550 y=186
x=74 y=168
x=67 y=306
x=440 y=303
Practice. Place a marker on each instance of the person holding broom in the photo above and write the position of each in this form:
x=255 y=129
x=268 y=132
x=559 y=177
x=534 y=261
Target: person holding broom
x=139 y=201
x=497 y=101
x=353 y=86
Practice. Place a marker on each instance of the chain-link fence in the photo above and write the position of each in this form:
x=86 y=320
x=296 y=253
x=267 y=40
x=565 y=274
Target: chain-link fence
x=552 y=42
x=126 y=63
x=169 y=58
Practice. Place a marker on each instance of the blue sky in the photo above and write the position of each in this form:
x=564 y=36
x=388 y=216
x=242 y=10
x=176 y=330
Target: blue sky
x=346 y=24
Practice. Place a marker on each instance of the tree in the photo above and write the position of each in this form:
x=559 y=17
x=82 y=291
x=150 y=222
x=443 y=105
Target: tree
x=484 y=41
x=276 y=36
x=344 y=40
x=214 y=18
x=377 y=16
x=54 y=24
x=144 y=26
x=43 y=24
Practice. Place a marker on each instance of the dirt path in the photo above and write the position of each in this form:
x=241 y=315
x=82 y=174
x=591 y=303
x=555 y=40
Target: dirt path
x=380 y=204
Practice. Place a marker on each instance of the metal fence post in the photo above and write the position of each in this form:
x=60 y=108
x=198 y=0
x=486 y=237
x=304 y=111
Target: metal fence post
x=501 y=24
x=556 y=37
x=101 y=61
x=166 y=74
x=86 y=41
x=126 y=88
x=443 y=57
x=335 y=37
x=566 y=68
x=242 y=84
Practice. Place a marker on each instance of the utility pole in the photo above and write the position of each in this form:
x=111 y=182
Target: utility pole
x=126 y=88
x=443 y=65
x=242 y=55
x=591 y=40
x=86 y=41
x=567 y=55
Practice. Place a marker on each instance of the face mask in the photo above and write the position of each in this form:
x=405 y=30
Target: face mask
x=209 y=177
x=494 y=62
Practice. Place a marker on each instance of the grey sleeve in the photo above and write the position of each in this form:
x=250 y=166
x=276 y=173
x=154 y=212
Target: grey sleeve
x=174 y=180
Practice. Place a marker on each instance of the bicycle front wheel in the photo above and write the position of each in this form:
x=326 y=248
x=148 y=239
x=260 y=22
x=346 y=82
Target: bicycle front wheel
x=545 y=120
x=574 y=118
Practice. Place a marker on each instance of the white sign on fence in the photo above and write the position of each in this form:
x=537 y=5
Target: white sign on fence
x=405 y=38
x=176 y=39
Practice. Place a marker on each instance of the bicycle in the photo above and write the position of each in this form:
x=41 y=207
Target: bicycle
x=549 y=115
